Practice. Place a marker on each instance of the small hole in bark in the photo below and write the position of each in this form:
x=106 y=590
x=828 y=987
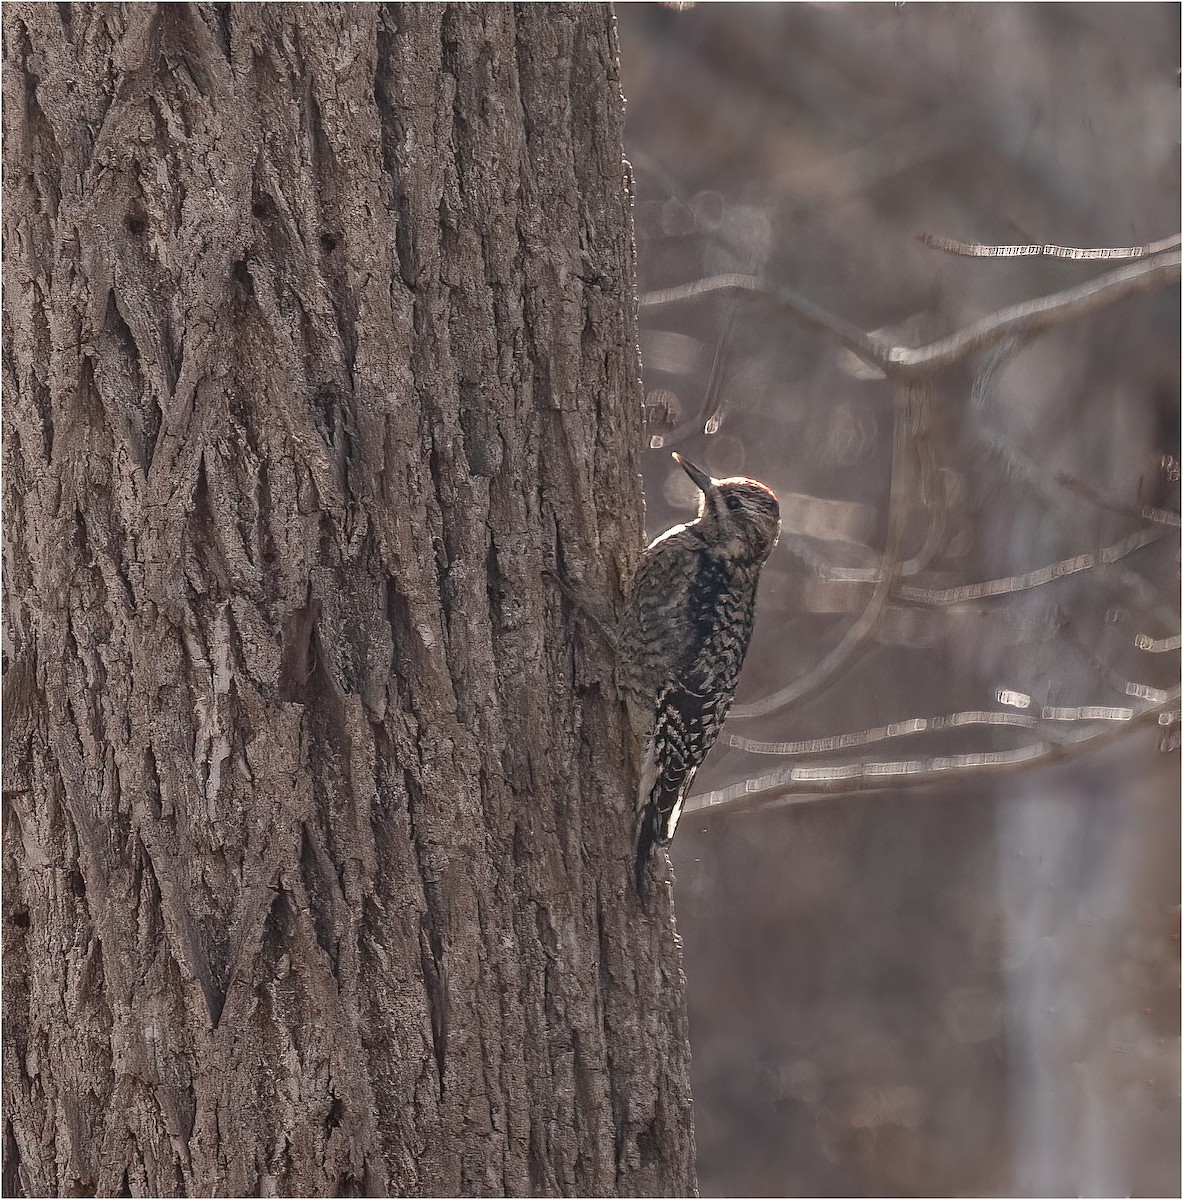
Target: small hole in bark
x=262 y=208
x=242 y=276
x=328 y=242
x=77 y=884
x=135 y=223
x=20 y=919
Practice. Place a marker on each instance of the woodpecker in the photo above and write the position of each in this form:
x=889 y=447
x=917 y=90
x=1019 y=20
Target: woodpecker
x=682 y=640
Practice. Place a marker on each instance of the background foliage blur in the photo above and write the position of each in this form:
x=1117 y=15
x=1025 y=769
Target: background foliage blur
x=969 y=987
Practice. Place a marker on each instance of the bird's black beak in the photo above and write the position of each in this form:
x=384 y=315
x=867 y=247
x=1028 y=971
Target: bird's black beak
x=702 y=480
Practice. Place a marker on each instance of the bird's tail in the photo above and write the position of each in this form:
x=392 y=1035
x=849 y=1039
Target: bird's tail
x=659 y=819
x=647 y=838
x=659 y=801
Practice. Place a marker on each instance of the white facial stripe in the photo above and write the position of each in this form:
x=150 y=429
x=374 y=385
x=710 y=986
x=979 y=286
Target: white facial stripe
x=668 y=533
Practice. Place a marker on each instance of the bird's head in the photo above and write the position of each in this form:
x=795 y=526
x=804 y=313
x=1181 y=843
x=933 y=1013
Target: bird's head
x=738 y=514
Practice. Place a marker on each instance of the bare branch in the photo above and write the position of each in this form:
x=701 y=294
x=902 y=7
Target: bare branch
x=1157 y=645
x=1089 y=712
x=1143 y=691
x=980 y=250
x=847 y=776
x=853 y=338
x=935 y=597
x=1018 y=321
x=937 y=724
x=883 y=733
x=1037 y=316
x=805 y=784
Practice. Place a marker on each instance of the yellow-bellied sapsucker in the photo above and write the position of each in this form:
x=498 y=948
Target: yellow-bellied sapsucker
x=683 y=637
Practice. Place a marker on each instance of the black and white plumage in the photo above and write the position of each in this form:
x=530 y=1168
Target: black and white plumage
x=683 y=637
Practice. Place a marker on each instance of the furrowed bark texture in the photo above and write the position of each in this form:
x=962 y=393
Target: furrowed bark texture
x=319 y=349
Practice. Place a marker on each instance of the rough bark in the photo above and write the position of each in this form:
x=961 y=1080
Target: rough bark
x=319 y=349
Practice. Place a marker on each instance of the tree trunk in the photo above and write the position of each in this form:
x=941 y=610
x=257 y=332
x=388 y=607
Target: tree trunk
x=319 y=350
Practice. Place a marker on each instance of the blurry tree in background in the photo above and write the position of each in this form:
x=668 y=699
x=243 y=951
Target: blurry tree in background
x=968 y=984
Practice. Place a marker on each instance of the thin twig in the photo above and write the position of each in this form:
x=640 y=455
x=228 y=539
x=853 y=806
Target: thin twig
x=849 y=776
x=936 y=597
x=981 y=250
x=917 y=725
x=940 y=597
x=1037 y=316
x=1018 y=321
x=1157 y=645
x=868 y=349
x=803 y=785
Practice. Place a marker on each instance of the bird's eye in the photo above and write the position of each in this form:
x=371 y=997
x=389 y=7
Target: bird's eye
x=733 y=503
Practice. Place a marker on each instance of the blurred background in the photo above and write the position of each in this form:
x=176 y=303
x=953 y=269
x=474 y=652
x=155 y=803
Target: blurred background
x=969 y=986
